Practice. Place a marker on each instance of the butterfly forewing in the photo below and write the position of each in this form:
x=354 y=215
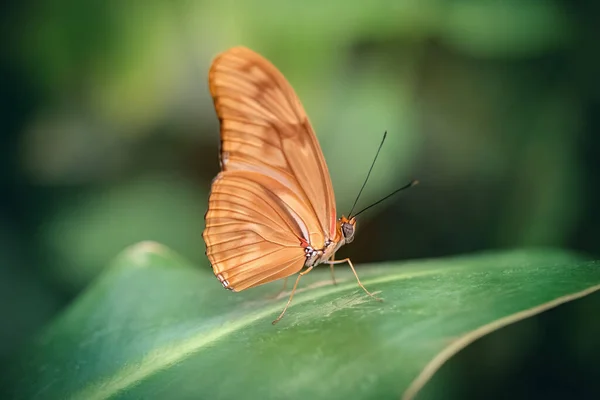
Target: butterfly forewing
x=264 y=124
x=274 y=195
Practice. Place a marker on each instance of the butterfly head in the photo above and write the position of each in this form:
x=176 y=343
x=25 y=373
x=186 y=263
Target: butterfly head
x=348 y=227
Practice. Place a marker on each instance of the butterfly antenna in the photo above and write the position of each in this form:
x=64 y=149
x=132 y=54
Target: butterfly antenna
x=412 y=183
x=369 y=174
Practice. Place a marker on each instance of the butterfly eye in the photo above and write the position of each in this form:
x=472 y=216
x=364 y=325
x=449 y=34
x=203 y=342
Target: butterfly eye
x=348 y=231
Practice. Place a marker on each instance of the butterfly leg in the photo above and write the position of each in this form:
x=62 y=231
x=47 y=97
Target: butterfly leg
x=300 y=275
x=281 y=291
x=356 y=275
x=331 y=268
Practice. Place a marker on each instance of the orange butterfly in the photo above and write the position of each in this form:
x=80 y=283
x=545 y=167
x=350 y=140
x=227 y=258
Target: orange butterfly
x=271 y=208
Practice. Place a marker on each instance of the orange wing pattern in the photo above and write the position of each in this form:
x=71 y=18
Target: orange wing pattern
x=251 y=238
x=265 y=128
x=274 y=194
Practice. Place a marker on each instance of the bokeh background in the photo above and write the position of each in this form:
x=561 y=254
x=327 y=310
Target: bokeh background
x=108 y=133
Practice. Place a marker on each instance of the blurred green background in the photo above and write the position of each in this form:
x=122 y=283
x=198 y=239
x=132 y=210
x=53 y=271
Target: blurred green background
x=109 y=135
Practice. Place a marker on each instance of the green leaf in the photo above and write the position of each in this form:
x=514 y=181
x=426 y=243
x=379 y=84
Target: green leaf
x=152 y=326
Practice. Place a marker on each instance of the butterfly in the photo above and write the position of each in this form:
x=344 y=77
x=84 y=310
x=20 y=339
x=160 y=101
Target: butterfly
x=272 y=210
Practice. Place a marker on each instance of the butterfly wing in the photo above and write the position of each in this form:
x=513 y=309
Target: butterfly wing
x=274 y=194
x=252 y=233
x=265 y=128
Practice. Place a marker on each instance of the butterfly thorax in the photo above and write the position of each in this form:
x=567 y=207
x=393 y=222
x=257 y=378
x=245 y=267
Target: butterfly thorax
x=344 y=234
